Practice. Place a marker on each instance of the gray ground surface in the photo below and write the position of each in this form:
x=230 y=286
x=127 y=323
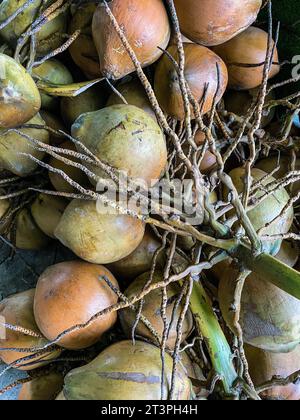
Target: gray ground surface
x=19 y=273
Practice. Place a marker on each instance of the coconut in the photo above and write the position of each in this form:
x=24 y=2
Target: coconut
x=152 y=311
x=288 y=253
x=134 y=93
x=126 y=138
x=12 y=144
x=140 y=260
x=54 y=72
x=264 y=366
x=239 y=103
x=75 y=174
x=47 y=211
x=271 y=163
x=91 y=100
x=18 y=310
x=212 y=23
x=147 y=27
x=50 y=35
x=54 y=122
x=249 y=47
x=99 y=234
x=270 y=318
x=200 y=73
x=28 y=235
x=20 y=99
x=269 y=209
x=69 y=294
x=42 y=388
x=83 y=49
x=125 y=371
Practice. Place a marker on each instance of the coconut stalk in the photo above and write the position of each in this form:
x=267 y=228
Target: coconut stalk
x=272 y=270
x=215 y=340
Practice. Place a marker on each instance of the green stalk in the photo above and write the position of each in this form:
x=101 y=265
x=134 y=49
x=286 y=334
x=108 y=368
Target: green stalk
x=272 y=270
x=217 y=345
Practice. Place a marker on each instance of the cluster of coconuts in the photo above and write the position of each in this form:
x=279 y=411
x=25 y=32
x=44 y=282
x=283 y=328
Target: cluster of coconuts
x=116 y=250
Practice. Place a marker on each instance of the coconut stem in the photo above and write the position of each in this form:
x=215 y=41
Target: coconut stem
x=217 y=345
x=272 y=270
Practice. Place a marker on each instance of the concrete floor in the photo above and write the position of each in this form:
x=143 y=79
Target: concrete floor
x=19 y=273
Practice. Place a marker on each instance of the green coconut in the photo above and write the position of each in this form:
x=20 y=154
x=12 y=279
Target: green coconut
x=134 y=93
x=47 y=211
x=152 y=311
x=271 y=163
x=98 y=234
x=42 y=388
x=54 y=122
x=12 y=144
x=126 y=138
x=125 y=371
x=49 y=37
x=19 y=97
x=140 y=261
x=269 y=317
x=91 y=100
x=269 y=209
x=29 y=236
x=52 y=71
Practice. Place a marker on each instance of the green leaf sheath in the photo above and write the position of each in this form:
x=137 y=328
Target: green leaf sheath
x=217 y=345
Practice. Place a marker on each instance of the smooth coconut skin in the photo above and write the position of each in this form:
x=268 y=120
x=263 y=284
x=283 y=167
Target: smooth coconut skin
x=200 y=71
x=20 y=99
x=147 y=27
x=152 y=311
x=50 y=35
x=140 y=260
x=70 y=293
x=263 y=366
x=18 y=310
x=52 y=71
x=249 y=47
x=135 y=94
x=125 y=371
x=42 y=388
x=270 y=318
x=239 y=103
x=12 y=144
x=213 y=22
x=271 y=163
x=268 y=209
x=47 y=211
x=28 y=235
x=75 y=174
x=54 y=122
x=98 y=234
x=126 y=138
x=83 y=49
x=91 y=100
